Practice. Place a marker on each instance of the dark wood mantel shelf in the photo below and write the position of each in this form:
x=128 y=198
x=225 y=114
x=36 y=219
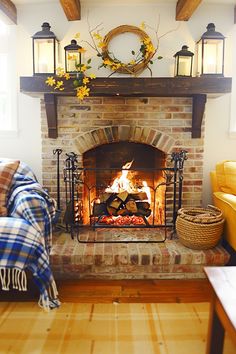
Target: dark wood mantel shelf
x=199 y=88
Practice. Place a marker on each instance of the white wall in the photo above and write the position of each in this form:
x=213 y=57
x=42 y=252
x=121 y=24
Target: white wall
x=218 y=145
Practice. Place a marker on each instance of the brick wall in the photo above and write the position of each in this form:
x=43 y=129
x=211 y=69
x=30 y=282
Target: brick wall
x=164 y=123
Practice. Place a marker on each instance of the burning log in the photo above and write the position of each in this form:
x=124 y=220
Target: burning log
x=115 y=203
x=123 y=196
x=99 y=209
x=142 y=212
x=111 y=211
x=131 y=206
x=104 y=197
x=122 y=204
x=139 y=196
x=123 y=212
x=143 y=205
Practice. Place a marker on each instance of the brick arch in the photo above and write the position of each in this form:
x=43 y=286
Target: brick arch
x=115 y=133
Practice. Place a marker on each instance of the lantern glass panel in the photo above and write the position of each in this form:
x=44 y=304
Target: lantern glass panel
x=44 y=55
x=72 y=59
x=212 y=56
x=184 y=66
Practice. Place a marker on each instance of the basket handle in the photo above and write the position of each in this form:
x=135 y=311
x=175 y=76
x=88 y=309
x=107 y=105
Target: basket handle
x=215 y=209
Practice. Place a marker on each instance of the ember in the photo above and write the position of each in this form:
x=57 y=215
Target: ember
x=121 y=220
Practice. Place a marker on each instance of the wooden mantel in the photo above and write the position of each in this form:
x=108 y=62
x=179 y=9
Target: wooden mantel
x=199 y=88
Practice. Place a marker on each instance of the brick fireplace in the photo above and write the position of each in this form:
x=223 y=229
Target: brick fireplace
x=163 y=114
x=161 y=125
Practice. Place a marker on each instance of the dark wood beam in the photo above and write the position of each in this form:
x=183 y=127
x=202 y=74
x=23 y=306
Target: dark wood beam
x=198 y=109
x=9 y=9
x=185 y=9
x=71 y=9
x=142 y=87
x=51 y=112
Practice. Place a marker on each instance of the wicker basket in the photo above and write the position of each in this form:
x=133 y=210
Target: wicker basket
x=200 y=228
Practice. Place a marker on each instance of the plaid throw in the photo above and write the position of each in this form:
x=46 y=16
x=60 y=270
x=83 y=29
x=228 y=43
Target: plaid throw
x=7 y=170
x=26 y=238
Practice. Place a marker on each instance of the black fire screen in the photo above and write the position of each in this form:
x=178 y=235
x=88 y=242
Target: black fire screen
x=123 y=198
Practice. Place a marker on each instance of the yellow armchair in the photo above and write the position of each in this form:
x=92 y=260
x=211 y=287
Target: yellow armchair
x=223 y=181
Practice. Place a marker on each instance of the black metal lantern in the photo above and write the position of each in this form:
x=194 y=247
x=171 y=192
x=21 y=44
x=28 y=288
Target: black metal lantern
x=72 y=57
x=183 y=62
x=45 y=51
x=210 y=49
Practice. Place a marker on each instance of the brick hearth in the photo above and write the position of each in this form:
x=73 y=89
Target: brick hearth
x=169 y=260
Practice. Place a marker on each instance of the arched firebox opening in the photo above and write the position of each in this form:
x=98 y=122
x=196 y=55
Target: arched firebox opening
x=124 y=184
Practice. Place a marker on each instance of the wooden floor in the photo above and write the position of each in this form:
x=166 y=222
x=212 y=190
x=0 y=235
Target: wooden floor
x=108 y=328
x=122 y=291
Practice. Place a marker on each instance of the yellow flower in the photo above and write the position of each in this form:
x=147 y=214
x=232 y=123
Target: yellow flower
x=132 y=62
x=97 y=36
x=72 y=57
x=85 y=80
x=83 y=68
x=101 y=44
x=107 y=62
x=82 y=91
x=149 y=50
x=81 y=50
x=77 y=35
x=92 y=76
x=59 y=86
x=60 y=72
x=143 y=25
x=147 y=40
x=50 y=81
x=67 y=76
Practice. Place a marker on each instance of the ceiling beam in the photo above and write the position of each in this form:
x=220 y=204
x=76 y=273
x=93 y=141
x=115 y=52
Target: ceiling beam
x=9 y=10
x=71 y=9
x=185 y=9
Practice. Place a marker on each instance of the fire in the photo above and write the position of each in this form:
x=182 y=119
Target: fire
x=126 y=202
x=146 y=189
x=124 y=183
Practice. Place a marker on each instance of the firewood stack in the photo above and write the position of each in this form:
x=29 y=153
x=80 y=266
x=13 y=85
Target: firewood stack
x=122 y=204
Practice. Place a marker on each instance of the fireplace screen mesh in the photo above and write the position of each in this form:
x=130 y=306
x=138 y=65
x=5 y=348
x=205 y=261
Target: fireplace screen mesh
x=122 y=197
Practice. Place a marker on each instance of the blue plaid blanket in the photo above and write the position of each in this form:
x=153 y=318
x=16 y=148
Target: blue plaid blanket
x=26 y=238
